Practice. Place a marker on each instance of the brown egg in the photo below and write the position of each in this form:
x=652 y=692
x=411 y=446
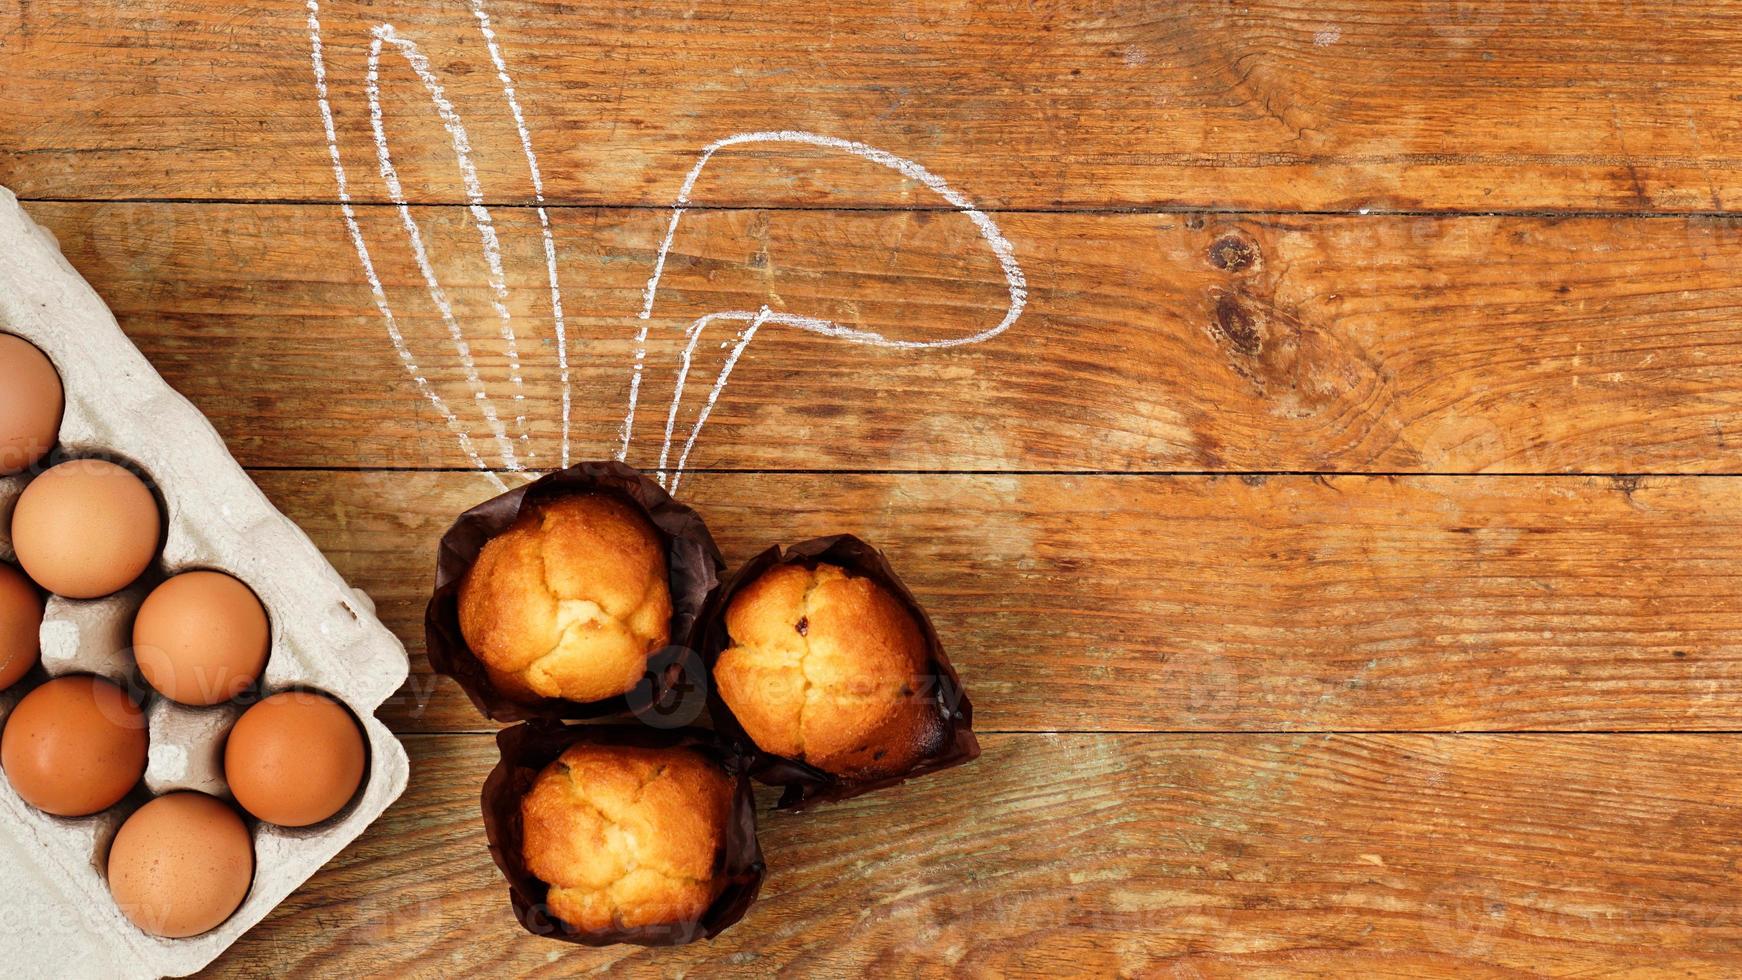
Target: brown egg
x=201 y=638
x=181 y=865
x=85 y=528
x=74 y=746
x=294 y=759
x=20 y=626
x=31 y=402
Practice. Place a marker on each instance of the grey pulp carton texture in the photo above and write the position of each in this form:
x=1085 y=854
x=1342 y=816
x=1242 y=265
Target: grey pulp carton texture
x=56 y=916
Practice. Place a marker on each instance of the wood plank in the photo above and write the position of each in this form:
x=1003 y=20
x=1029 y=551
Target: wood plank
x=1103 y=855
x=1383 y=104
x=1152 y=342
x=1113 y=603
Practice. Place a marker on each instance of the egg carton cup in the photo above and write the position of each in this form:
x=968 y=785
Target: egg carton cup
x=57 y=918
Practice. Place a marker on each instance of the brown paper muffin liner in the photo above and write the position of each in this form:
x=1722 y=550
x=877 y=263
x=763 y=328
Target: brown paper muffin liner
x=805 y=784
x=526 y=749
x=693 y=562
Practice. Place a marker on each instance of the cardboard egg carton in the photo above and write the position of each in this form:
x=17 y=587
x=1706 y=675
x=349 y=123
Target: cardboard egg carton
x=56 y=916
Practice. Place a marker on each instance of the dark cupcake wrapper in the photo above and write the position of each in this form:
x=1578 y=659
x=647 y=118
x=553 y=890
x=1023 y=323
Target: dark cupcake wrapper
x=527 y=748
x=805 y=785
x=693 y=562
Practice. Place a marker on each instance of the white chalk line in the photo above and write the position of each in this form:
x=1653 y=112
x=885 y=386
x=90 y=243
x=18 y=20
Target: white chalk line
x=318 y=62
x=755 y=319
x=694 y=334
x=491 y=246
x=556 y=298
x=1000 y=246
x=746 y=335
x=396 y=193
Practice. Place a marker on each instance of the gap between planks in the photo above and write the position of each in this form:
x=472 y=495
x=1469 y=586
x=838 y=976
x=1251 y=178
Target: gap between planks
x=1267 y=474
x=1253 y=732
x=1176 y=209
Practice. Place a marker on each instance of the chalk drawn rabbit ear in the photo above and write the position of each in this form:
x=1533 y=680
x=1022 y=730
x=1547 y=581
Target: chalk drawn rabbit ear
x=995 y=240
x=385 y=41
x=755 y=320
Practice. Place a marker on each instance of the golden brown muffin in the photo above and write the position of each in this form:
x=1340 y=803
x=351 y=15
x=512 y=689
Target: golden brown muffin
x=627 y=837
x=830 y=669
x=570 y=601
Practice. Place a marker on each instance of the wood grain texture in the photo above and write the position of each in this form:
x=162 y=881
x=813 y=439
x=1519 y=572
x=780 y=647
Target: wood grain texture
x=1151 y=343
x=1103 y=855
x=1491 y=237
x=1425 y=104
x=1124 y=603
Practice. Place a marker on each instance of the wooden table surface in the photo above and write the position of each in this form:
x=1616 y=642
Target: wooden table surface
x=1339 y=548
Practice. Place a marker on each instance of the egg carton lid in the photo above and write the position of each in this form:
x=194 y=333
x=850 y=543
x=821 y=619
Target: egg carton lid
x=56 y=916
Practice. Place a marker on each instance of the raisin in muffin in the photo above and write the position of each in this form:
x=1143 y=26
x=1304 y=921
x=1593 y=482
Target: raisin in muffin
x=627 y=837
x=570 y=601
x=830 y=669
